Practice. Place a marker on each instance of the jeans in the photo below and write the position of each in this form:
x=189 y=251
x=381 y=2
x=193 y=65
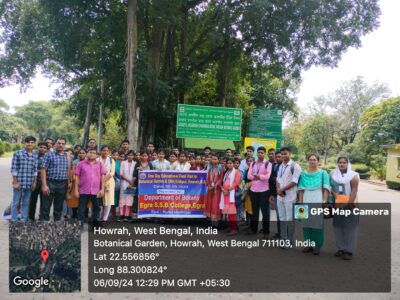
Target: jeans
x=58 y=193
x=83 y=201
x=33 y=202
x=23 y=195
x=260 y=200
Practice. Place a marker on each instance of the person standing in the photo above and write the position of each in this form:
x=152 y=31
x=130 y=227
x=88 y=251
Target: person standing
x=91 y=144
x=259 y=173
x=345 y=183
x=207 y=151
x=231 y=180
x=272 y=194
x=117 y=179
x=50 y=144
x=42 y=150
x=90 y=184
x=56 y=178
x=314 y=188
x=72 y=200
x=197 y=166
x=249 y=153
x=286 y=184
x=127 y=190
x=24 y=166
x=142 y=165
x=161 y=164
x=109 y=188
x=213 y=182
x=228 y=153
x=181 y=164
x=125 y=146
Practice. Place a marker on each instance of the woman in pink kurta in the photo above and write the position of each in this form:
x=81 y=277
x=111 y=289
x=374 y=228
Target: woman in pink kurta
x=230 y=182
x=213 y=182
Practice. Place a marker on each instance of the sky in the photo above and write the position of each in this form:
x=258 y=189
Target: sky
x=378 y=59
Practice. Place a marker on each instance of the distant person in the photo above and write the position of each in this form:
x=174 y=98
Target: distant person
x=207 y=151
x=345 y=183
x=118 y=157
x=197 y=166
x=56 y=179
x=228 y=153
x=181 y=164
x=176 y=152
x=172 y=159
x=161 y=164
x=271 y=155
x=286 y=185
x=249 y=152
x=77 y=148
x=90 y=185
x=24 y=167
x=237 y=155
x=314 y=188
x=91 y=144
x=50 y=143
x=42 y=150
x=125 y=146
x=150 y=150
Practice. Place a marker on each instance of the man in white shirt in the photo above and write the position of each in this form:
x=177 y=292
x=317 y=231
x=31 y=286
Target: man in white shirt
x=250 y=152
x=286 y=184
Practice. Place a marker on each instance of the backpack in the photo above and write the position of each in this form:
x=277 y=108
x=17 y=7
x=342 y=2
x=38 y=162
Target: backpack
x=266 y=164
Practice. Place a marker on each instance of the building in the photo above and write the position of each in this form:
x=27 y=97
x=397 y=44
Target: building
x=393 y=166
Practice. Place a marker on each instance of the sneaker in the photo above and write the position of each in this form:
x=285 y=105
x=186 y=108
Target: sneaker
x=347 y=256
x=339 y=253
x=315 y=251
x=308 y=249
x=276 y=236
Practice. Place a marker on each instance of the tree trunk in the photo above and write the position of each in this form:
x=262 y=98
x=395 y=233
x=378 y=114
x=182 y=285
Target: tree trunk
x=222 y=78
x=132 y=108
x=88 y=118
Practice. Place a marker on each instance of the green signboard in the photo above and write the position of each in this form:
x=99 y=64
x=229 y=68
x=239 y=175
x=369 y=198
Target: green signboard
x=267 y=124
x=221 y=123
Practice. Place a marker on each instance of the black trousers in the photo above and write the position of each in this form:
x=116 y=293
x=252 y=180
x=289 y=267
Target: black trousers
x=33 y=202
x=83 y=201
x=259 y=200
x=57 y=196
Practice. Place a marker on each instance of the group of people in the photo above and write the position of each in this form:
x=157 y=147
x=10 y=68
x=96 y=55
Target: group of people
x=76 y=180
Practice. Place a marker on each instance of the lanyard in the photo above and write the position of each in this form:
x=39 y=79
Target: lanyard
x=213 y=175
x=258 y=167
x=226 y=175
x=283 y=170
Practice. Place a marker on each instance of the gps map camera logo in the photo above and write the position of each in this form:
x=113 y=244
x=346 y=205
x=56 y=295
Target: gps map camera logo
x=301 y=212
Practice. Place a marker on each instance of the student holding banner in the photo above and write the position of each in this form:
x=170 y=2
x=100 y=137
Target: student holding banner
x=214 y=179
x=230 y=182
x=142 y=165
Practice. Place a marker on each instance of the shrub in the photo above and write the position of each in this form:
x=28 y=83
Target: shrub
x=7 y=146
x=365 y=175
x=393 y=185
x=2 y=148
x=17 y=147
x=360 y=168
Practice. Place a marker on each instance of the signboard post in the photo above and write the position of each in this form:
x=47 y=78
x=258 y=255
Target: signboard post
x=221 y=123
x=266 y=124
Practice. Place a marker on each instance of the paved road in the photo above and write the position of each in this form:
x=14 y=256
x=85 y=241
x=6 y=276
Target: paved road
x=367 y=193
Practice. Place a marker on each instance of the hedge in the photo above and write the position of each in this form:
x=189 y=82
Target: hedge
x=394 y=185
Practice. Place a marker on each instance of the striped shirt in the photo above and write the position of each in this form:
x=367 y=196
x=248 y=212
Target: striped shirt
x=24 y=167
